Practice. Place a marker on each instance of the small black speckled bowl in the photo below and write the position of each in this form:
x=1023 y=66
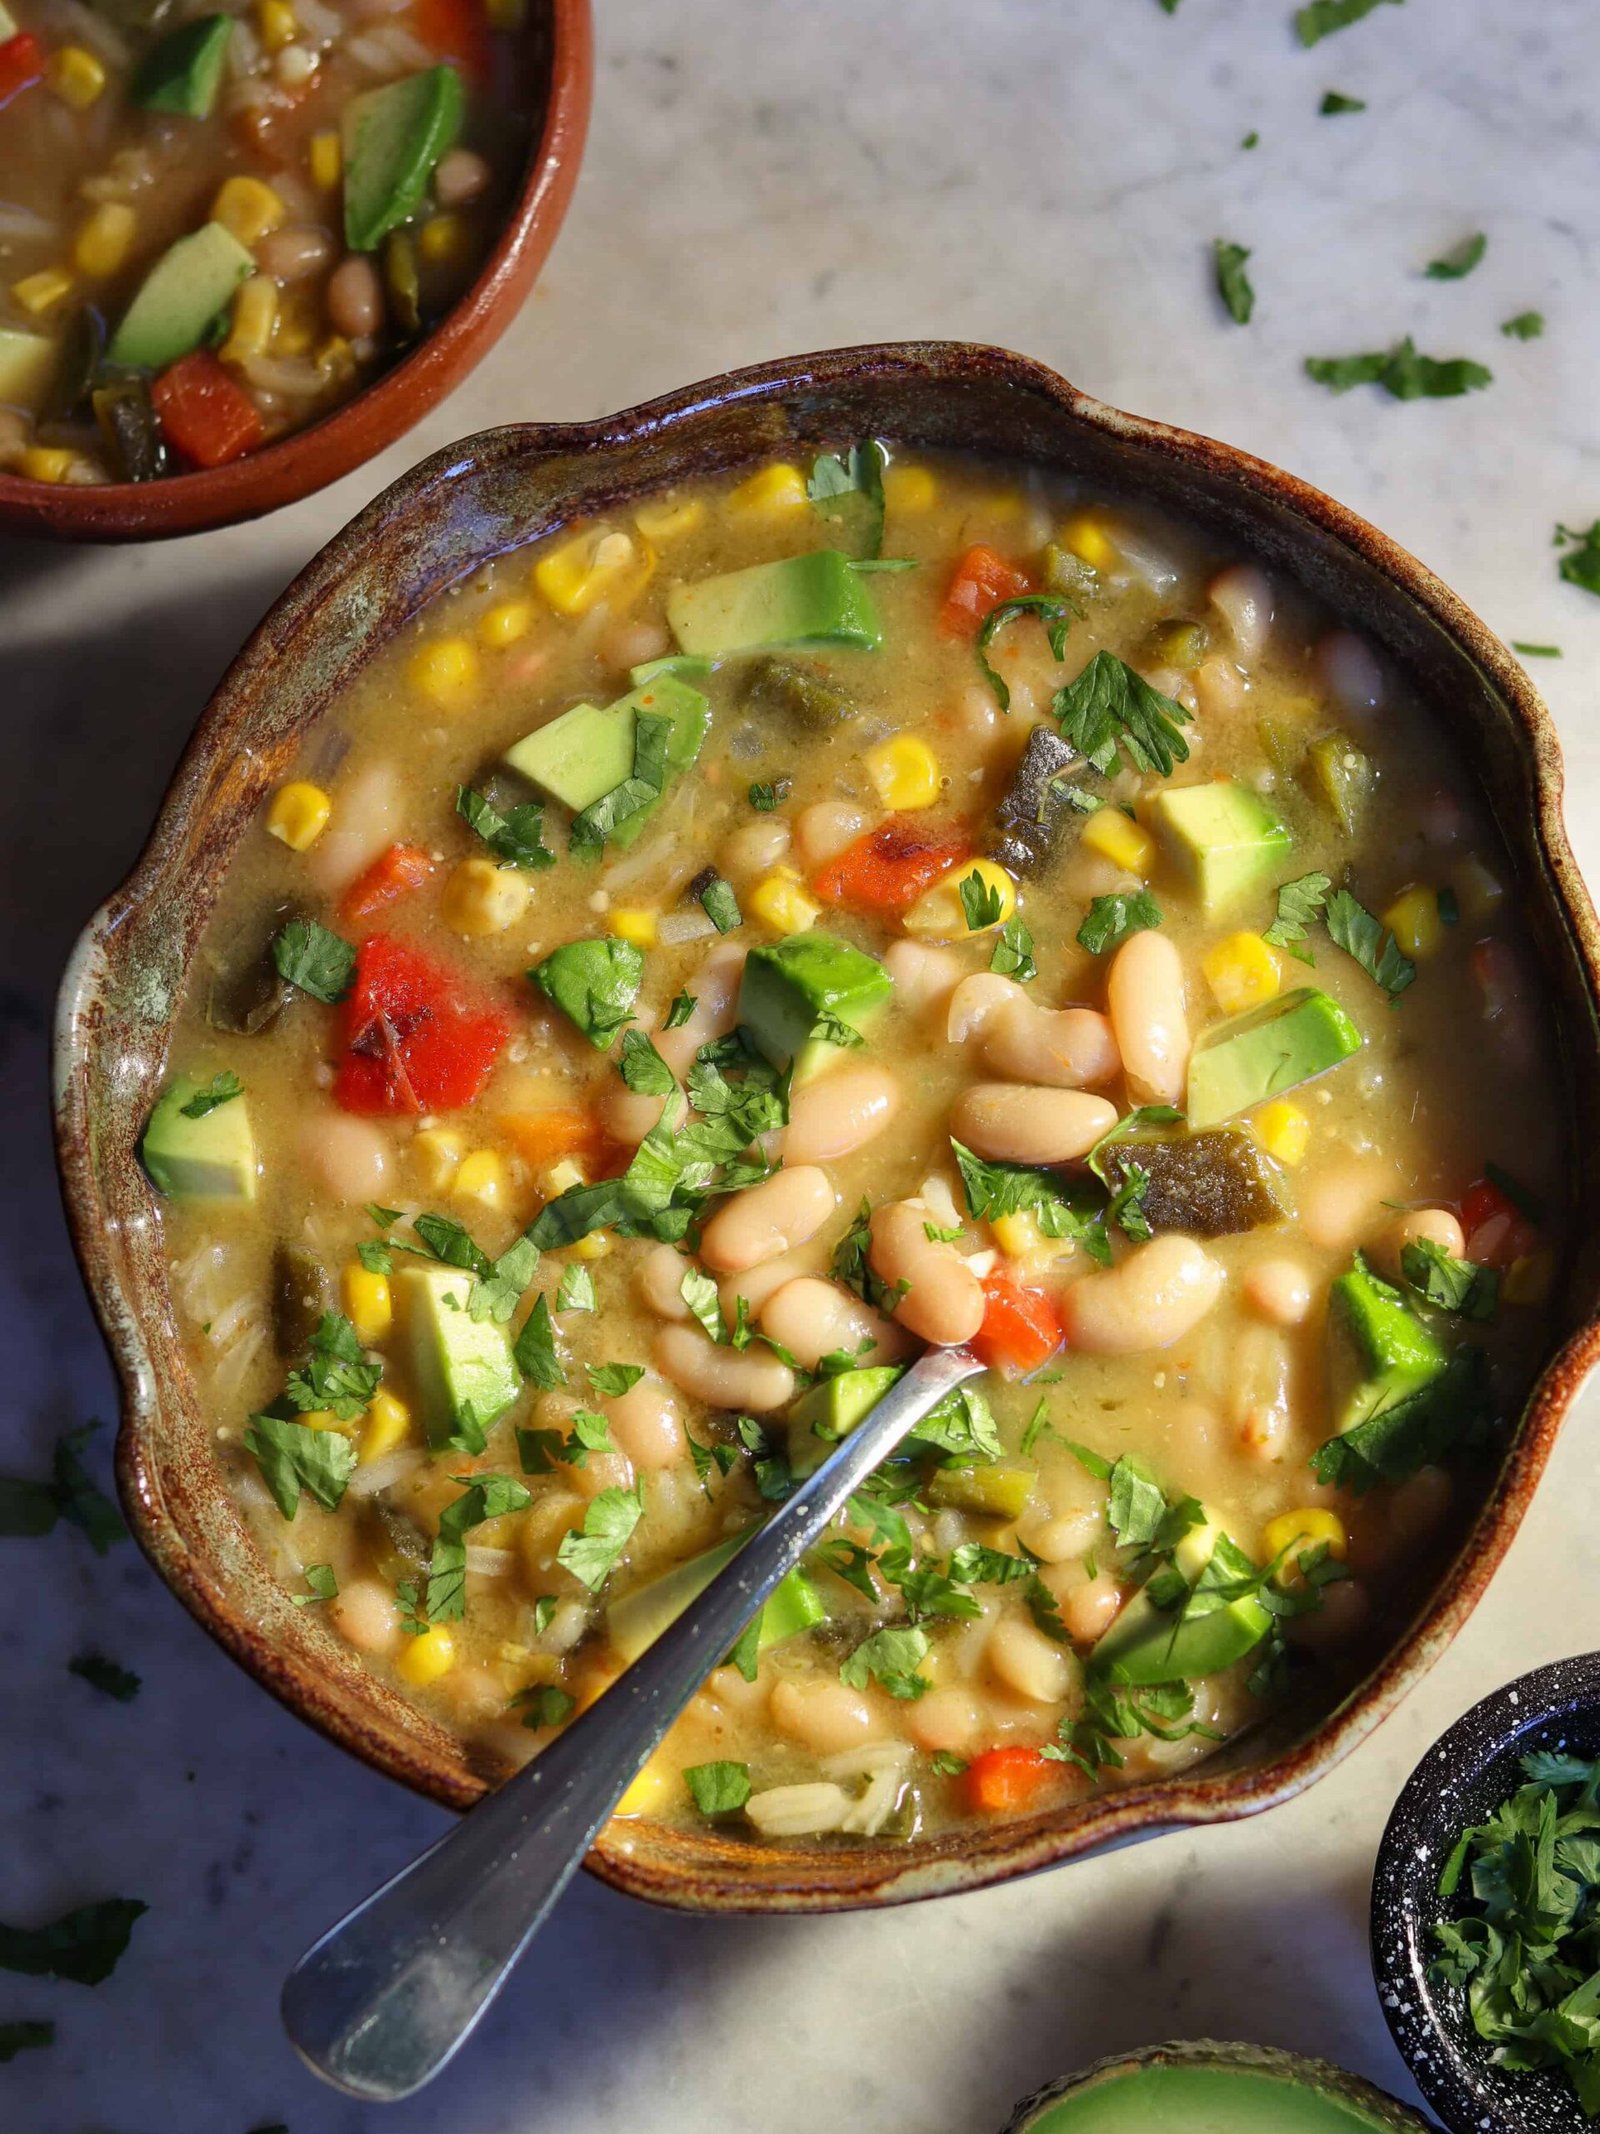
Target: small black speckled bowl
x=1463 y=1778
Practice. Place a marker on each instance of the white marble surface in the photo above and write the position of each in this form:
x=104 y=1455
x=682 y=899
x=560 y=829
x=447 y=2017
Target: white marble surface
x=764 y=178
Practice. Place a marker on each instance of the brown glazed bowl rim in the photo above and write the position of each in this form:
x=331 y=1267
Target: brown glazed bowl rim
x=234 y=757
x=307 y=460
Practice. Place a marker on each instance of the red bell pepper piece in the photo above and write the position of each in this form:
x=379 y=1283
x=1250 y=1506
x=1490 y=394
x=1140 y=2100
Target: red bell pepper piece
x=414 y=1038
x=21 y=65
x=1020 y=1330
x=1496 y=1230
x=455 y=29
x=393 y=874
x=887 y=869
x=982 y=580
x=204 y=414
x=1005 y=1781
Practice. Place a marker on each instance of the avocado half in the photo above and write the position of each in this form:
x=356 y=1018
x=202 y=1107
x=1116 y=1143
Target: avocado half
x=1202 y=2087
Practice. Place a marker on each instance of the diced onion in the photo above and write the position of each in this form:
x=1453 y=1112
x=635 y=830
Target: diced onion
x=383 y=1474
x=676 y=926
x=489 y=1563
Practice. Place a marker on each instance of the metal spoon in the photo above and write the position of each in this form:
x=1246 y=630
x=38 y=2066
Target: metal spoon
x=386 y=1997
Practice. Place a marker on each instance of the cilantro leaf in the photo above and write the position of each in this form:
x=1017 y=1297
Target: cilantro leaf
x=1525 y=326
x=764 y=798
x=321 y=1585
x=1353 y=928
x=718 y=1788
x=29 y=1508
x=575 y=1291
x=1455 y=1409
x=295 y=1456
x=335 y=1376
x=1110 y=708
x=105 y=1675
x=1017 y=1189
x=534 y=1350
x=720 y=905
x=318 y=962
x=1459 y=1286
x=1013 y=952
x=1457 y=265
x=1111 y=1715
x=604 y=817
x=699 y=1292
x=1110 y=919
x=1054 y=611
x=962 y=1427
x=1321 y=18
x=221 y=1089
x=1334 y=102
x=516 y=838
x=1137 y=1504
x=1581 y=564
x=610 y=1380
x=485 y=1497
x=1533 y=652
x=595 y=983
x=642 y=1067
x=1299 y=902
x=847 y=487
x=1401 y=371
x=972 y=1563
x=683 y=1006
x=980 y=901
x=1233 y=284
x=84 y=1945
x=591 y=1551
x=544 y=1705
x=890 y=1657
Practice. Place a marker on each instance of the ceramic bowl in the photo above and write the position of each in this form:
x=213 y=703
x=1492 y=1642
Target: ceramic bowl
x=558 y=77
x=1464 y=1777
x=1348 y=2101
x=498 y=492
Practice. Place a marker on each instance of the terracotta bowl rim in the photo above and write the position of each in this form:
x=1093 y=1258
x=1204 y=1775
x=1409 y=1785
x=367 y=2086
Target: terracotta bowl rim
x=700 y=1876
x=307 y=460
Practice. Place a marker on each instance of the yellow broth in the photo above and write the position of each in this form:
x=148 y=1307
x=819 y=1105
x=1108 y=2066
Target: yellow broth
x=1224 y=1398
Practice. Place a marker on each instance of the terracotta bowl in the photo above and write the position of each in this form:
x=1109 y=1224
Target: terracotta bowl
x=558 y=63
x=1307 y=2082
x=513 y=486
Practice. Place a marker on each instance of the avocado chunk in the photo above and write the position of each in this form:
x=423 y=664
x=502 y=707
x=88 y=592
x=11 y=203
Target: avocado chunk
x=815 y=599
x=209 y=1158
x=794 y=990
x=392 y=139
x=1206 y=2088
x=184 y=71
x=1213 y=1184
x=461 y=1367
x=27 y=365
x=1148 y=1644
x=1379 y=1351
x=1223 y=837
x=1265 y=1052
x=831 y=1410
x=594 y=983
x=188 y=287
x=588 y=752
x=634 y=1622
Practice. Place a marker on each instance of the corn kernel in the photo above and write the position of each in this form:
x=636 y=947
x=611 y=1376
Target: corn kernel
x=910 y=489
x=367 y=1303
x=1312 y=1528
x=427 y=1657
x=387 y=1428
x=1413 y=918
x=47 y=463
x=1109 y=832
x=635 y=923
x=480 y=1177
x=1242 y=972
x=103 y=239
x=322 y=1419
x=1084 y=534
x=276 y=25
x=780 y=901
x=299 y=321
x=940 y=913
x=503 y=624
x=482 y=898
x=436 y=1152
x=666 y=520
x=591 y=567
x=247 y=209
x=335 y=359
x=1529 y=1279
x=325 y=161
x=77 y=76
x=773 y=489
x=649 y=1793
x=593 y=1247
x=444 y=669
x=255 y=314
x=1477 y=890
x=562 y=1177
x=299 y=814
x=41 y=292
x=905 y=771
x=1283 y=1130
x=441 y=239
x=1017 y=1235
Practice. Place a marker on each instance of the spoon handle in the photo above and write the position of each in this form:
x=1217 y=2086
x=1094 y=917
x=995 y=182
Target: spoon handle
x=383 y=2000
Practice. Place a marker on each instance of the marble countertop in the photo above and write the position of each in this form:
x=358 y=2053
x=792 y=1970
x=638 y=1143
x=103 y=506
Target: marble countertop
x=762 y=178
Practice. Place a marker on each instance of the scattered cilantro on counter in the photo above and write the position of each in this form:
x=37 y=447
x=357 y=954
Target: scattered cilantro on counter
x=1401 y=371
x=1233 y=284
x=1457 y=265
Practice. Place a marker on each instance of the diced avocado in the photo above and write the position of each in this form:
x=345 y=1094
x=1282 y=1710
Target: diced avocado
x=678 y=664
x=461 y=1367
x=1147 y=1644
x=815 y=599
x=27 y=365
x=594 y=983
x=1342 y=777
x=392 y=139
x=1213 y=1184
x=1000 y=1489
x=634 y=1622
x=184 y=71
x=1223 y=836
x=1265 y=1052
x=588 y=752
x=209 y=1158
x=792 y=989
x=1379 y=1351
x=188 y=287
x=831 y=1410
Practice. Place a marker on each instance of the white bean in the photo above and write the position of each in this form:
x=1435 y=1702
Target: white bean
x=1437 y=1225
x=1022 y=1659
x=722 y=1377
x=367 y=809
x=459 y=176
x=838 y=1113
x=822 y=1716
x=1065 y=1048
x=1349 y=671
x=764 y=1220
x=349 y=1157
x=1418 y=1505
x=715 y=991
x=354 y=298
x=1342 y=1616
x=1219 y=688
x=1280 y=1290
x=1244 y=596
x=975 y=1000
x=756 y=1284
x=295 y=252
x=646 y=1426
x=1159 y=1293
x=632 y=640
x=602 y=1470
x=944 y=1301
x=1341 y=1202
x=924 y=976
x=754 y=847
x=365 y=1614
x=1148 y=1017
x=946 y=1719
x=1008 y=1122
x=1092 y=1607
x=660 y=1280
x=1258 y=1391
x=823 y=830
x=813 y=1318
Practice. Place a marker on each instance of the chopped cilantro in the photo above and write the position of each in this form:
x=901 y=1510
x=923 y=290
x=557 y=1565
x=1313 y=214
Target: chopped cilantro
x=590 y=1552
x=980 y=901
x=699 y=1292
x=847 y=487
x=1526 y=326
x=683 y=1006
x=1456 y=265
x=1137 y=1504
x=609 y=1380
x=890 y=1657
x=1251 y=140
x=1110 y=708
x=1535 y=651
x=1053 y=611
x=294 y=1456
x=1110 y=919
x=1455 y=1409
x=105 y=1675
x=1353 y=928
x=1581 y=565
x=1459 y=1286
x=1013 y=952
x=595 y=983
x=84 y=1945
x=1334 y=102
x=604 y=817
x=485 y=1497
x=1018 y=1189
x=321 y=1585
x=544 y=1705
x=1299 y=902
x=764 y=798
x=318 y=962
x=575 y=1291
x=29 y=1508
x=1233 y=284
x=221 y=1089
x=1111 y=1715
x=642 y=1067
x=1321 y=18
x=720 y=905
x=335 y=1376
x=1401 y=371
x=718 y=1788
x=516 y=838
x=534 y=1350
